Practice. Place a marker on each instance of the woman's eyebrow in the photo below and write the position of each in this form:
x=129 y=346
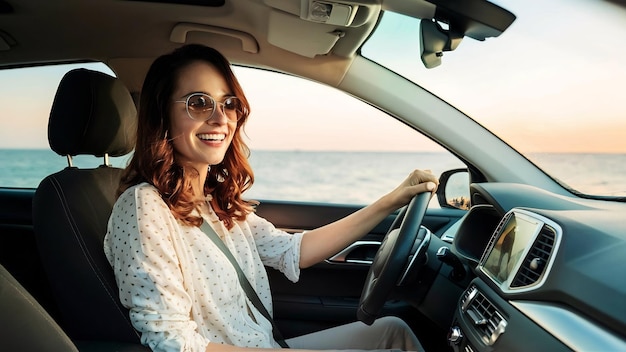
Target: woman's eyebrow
x=194 y=92
x=228 y=94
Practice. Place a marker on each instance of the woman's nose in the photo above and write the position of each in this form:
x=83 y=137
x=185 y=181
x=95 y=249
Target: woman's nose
x=219 y=116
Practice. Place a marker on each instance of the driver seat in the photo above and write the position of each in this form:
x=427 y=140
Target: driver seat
x=92 y=114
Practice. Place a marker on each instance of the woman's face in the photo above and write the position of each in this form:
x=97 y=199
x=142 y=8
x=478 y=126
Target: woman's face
x=200 y=143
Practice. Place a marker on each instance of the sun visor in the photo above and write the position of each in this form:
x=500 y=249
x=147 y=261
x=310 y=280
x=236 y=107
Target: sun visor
x=302 y=37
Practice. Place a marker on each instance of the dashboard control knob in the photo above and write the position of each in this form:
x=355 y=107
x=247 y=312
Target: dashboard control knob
x=455 y=335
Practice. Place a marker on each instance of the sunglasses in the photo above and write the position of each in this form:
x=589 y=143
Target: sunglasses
x=202 y=107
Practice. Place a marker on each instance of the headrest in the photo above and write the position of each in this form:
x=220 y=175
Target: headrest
x=92 y=113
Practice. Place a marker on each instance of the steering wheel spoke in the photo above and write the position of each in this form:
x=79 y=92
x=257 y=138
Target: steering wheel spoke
x=393 y=261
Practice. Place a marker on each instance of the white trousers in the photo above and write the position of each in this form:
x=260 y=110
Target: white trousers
x=385 y=334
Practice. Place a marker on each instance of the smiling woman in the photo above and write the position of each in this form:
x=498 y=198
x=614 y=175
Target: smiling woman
x=181 y=188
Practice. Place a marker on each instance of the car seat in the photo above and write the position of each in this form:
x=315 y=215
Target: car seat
x=26 y=326
x=92 y=114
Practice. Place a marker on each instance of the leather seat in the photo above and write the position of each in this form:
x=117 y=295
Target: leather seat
x=26 y=326
x=92 y=114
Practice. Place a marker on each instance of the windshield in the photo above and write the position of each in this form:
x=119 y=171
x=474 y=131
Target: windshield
x=551 y=86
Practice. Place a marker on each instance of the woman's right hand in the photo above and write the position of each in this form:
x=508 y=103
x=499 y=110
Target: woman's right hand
x=418 y=181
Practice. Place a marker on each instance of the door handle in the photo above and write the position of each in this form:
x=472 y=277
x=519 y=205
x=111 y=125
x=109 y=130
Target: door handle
x=359 y=252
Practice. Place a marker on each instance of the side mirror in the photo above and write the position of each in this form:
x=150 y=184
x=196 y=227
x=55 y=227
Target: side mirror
x=453 y=191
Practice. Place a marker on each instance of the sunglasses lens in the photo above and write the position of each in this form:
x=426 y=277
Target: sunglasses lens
x=200 y=106
x=232 y=108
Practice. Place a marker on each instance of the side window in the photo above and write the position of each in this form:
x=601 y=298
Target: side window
x=26 y=96
x=309 y=142
x=313 y=143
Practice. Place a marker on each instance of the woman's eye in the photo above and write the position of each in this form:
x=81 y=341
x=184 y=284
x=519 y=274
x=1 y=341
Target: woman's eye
x=199 y=102
x=231 y=104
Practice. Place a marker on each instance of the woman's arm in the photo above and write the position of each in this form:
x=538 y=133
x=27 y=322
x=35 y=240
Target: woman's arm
x=325 y=241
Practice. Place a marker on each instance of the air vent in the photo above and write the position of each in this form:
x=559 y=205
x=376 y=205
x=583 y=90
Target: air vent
x=534 y=265
x=468 y=296
x=484 y=316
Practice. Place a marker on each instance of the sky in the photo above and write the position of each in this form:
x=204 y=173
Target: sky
x=554 y=80
x=525 y=85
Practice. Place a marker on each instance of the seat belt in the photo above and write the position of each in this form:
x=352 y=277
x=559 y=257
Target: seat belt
x=243 y=280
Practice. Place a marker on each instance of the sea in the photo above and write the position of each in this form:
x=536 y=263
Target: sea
x=340 y=177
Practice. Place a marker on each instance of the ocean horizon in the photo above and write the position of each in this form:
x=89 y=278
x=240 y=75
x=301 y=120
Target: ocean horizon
x=344 y=177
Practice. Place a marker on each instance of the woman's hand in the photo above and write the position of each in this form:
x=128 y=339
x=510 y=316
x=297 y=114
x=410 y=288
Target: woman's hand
x=418 y=181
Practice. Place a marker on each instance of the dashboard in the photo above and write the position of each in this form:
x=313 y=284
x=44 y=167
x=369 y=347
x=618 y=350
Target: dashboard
x=548 y=272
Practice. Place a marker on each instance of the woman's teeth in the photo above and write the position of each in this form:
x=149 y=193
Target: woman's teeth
x=211 y=136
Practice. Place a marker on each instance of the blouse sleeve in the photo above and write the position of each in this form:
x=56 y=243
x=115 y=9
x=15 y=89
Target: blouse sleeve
x=140 y=249
x=278 y=249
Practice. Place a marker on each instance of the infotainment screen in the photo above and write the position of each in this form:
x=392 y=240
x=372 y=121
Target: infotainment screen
x=509 y=245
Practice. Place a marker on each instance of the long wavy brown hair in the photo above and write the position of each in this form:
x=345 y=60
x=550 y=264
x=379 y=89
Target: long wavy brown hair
x=154 y=160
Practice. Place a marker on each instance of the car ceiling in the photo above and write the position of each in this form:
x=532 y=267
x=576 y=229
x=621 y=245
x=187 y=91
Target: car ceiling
x=128 y=35
x=280 y=35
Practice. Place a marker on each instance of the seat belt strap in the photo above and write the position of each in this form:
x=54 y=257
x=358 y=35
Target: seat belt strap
x=243 y=280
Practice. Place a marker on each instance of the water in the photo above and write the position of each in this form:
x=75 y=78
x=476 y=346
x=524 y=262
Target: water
x=25 y=168
x=599 y=174
x=337 y=177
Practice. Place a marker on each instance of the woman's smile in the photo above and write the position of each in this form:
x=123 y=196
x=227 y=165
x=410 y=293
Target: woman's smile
x=211 y=137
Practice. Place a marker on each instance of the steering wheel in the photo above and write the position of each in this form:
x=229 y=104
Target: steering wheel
x=403 y=242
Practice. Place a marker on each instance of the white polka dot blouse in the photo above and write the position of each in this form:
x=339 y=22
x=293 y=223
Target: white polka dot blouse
x=181 y=290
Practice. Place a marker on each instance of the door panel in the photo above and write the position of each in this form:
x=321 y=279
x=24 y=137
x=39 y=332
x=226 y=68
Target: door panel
x=18 y=249
x=327 y=294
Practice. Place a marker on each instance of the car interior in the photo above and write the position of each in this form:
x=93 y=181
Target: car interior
x=517 y=263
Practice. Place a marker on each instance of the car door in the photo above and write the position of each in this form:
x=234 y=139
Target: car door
x=319 y=155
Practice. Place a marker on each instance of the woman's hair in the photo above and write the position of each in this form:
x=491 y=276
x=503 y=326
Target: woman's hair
x=154 y=160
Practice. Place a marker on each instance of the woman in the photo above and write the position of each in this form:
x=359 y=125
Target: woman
x=190 y=166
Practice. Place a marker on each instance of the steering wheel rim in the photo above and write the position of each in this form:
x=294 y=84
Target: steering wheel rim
x=391 y=259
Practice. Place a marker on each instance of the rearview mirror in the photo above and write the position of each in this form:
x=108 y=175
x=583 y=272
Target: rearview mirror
x=434 y=40
x=477 y=19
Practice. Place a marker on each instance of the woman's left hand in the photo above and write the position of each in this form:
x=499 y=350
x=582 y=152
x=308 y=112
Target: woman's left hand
x=418 y=181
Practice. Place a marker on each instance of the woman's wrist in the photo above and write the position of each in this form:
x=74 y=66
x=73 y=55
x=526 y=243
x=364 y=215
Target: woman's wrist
x=386 y=204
